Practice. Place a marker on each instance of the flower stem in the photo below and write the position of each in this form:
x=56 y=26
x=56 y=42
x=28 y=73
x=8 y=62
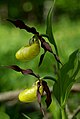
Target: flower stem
x=63 y=114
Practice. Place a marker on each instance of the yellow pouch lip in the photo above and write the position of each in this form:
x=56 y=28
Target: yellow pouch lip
x=30 y=95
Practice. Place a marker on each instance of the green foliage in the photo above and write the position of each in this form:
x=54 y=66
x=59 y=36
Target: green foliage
x=49 y=31
x=56 y=110
x=67 y=78
x=4 y=116
x=68 y=73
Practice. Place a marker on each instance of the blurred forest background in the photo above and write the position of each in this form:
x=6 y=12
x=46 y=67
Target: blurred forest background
x=66 y=29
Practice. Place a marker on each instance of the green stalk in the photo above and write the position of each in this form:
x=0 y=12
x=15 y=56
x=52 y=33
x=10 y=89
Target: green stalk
x=63 y=114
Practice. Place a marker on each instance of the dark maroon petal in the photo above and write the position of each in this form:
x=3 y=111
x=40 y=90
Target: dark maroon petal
x=27 y=71
x=46 y=46
x=14 y=67
x=48 y=93
x=38 y=93
x=23 y=71
x=39 y=97
x=41 y=58
x=21 y=25
x=57 y=58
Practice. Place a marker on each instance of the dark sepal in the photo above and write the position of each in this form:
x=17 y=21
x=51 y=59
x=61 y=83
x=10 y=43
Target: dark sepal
x=57 y=58
x=45 y=45
x=23 y=71
x=14 y=67
x=38 y=93
x=41 y=58
x=21 y=25
x=48 y=93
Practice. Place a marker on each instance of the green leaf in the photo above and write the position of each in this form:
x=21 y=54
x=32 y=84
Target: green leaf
x=4 y=116
x=49 y=29
x=67 y=78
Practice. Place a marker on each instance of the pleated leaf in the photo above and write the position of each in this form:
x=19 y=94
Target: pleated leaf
x=67 y=78
x=49 y=31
